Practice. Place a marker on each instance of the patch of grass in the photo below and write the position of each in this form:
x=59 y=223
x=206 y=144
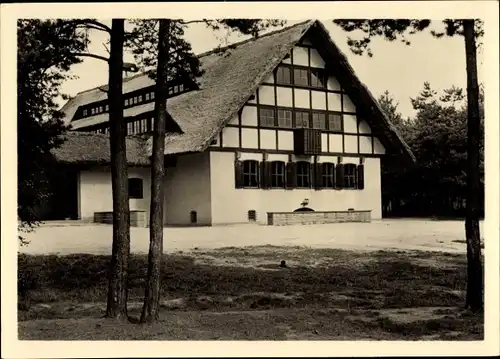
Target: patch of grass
x=345 y=279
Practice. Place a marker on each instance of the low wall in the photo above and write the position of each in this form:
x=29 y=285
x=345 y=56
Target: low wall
x=289 y=218
x=137 y=218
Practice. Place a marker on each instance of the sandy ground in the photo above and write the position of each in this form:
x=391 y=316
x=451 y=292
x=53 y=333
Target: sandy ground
x=77 y=237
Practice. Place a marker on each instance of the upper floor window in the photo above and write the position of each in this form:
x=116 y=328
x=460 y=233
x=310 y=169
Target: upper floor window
x=302 y=119
x=277 y=174
x=283 y=75
x=327 y=175
x=334 y=122
x=85 y=112
x=317 y=78
x=284 y=118
x=350 y=175
x=301 y=77
x=319 y=121
x=251 y=173
x=303 y=174
x=266 y=117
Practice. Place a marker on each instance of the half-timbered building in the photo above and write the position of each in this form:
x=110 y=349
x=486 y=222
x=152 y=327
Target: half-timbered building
x=273 y=121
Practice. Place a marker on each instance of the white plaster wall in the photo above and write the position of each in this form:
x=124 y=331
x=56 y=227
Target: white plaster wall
x=187 y=188
x=230 y=137
x=284 y=96
x=249 y=138
x=95 y=191
x=268 y=139
x=249 y=116
x=231 y=205
x=285 y=140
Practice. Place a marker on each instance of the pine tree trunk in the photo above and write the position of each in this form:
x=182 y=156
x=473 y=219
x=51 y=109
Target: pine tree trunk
x=151 y=306
x=117 y=291
x=474 y=299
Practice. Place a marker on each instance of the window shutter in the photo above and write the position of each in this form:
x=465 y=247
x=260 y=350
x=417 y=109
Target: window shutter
x=238 y=174
x=318 y=179
x=339 y=178
x=268 y=174
x=334 y=168
x=262 y=175
x=361 y=177
x=291 y=175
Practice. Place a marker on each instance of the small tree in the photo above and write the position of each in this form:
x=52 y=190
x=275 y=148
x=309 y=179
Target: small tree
x=45 y=54
x=470 y=29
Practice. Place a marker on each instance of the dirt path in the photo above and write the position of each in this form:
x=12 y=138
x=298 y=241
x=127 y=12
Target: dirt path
x=429 y=235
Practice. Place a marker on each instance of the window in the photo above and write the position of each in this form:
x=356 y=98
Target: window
x=144 y=125
x=139 y=98
x=319 y=121
x=277 y=174
x=130 y=128
x=135 y=188
x=181 y=87
x=266 y=117
x=317 y=78
x=106 y=108
x=252 y=215
x=170 y=90
x=301 y=77
x=147 y=97
x=303 y=175
x=334 y=122
x=85 y=112
x=193 y=216
x=349 y=175
x=251 y=174
x=126 y=102
x=301 y=119
x=283 y=75
x=92 y=111
x=327 y=175
x=152 y=95
x=101 y=109
x=284 y=118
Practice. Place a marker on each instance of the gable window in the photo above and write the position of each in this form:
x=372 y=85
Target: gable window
x=349 y=175
x=334 y=122
x=283 y=75
x=317 y=78
x=303 y=174
x=277 y=174
x=251 y=173
x=301 y=77
x=327 y=175
x=319 y=121
x=266 y=117
x=285 y=118
x=302 y=119
x=135 y=188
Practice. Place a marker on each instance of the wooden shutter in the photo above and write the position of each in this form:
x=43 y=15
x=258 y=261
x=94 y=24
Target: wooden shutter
x=361 y=177
x=263 y=183
x=291 y=175
x=339 y=176
x=268 y=174
x=238 y=174
x=334 y=180
x=318 y=179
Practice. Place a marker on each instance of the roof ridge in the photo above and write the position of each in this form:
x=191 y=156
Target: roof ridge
x=214 y=50
x=236 y=44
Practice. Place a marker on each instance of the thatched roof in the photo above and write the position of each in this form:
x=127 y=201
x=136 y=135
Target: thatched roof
x=92 y=148
x=231 y=76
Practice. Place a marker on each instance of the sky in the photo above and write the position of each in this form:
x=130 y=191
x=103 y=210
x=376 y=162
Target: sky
x=395 y=67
